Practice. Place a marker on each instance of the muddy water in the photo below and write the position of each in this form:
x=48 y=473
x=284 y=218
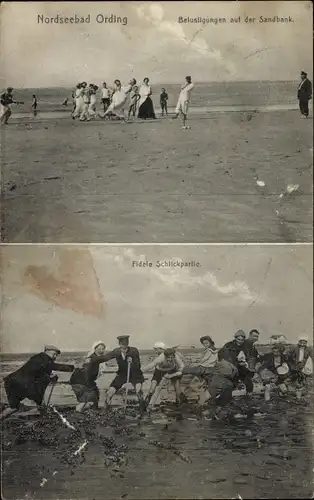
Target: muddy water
x=267 y=456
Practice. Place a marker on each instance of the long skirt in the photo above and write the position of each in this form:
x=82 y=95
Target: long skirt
x=86 y=394
x=146 y=110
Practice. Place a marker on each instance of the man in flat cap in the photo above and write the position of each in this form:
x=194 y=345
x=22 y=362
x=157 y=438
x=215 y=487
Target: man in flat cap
x=237 y=353
x=297 y=357
x=125 y=356
x=32 y=379
x=304 y=94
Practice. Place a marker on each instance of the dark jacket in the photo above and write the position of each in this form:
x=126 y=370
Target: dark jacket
x=305 y=90
x=292 y=356
x=6 y=99
x=268 y=361
x=88 y=374
x=230 y=351
x=33 y=377
x=251 y=353
x=133 y=353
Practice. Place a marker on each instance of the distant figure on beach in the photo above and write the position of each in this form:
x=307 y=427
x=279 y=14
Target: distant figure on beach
x=146 y=107
x=304 y=94
x=184 y=101
x=65 y=102
x=119 y=99
x=34 y=105
x=134 y=98
x=32 y=379
x=163 y=102
x=105 y=97
x=6 y=99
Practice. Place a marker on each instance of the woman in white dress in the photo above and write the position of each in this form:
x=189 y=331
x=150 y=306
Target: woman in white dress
x=93 y=101
x=78 y=100
x=146 y=107
x=119 y=100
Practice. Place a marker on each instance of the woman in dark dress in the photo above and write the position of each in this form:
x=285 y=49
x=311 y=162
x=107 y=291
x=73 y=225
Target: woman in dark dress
x=146 y=107
x=83 y=380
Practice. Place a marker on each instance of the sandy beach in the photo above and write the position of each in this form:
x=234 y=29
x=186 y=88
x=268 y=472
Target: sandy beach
x=152 y=182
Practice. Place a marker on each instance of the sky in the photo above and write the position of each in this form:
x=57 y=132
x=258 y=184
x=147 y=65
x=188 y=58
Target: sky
x=74 y=295
x=153 y=43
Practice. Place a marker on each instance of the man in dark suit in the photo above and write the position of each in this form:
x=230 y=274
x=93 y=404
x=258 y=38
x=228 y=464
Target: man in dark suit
x=125 y=355
x=304 y=94
x=231 y=351
x=32 y=379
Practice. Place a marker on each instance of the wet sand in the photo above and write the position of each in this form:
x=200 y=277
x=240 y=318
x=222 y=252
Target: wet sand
x=152 y=182
x=262 y=457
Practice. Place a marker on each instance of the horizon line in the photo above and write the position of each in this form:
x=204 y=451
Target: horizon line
x=163 y=83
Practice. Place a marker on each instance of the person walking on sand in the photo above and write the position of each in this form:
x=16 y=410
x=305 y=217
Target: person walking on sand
x=34 y=104
x=83 y=379
x=6 y=99
x=105 y=97
x=93 y=101
x=86 y=96
x=78 y=100
x=134 y=98
x=304 y=94
x=146 y=107
x=32 y=379
x=184 y=101
x=164 y=102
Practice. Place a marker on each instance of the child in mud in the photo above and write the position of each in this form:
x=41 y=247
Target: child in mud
x=32 y=379
x=83 y=380
x=168 y=365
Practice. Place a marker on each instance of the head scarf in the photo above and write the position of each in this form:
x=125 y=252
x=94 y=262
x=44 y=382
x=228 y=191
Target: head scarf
x=159 y=345
x=92 y=349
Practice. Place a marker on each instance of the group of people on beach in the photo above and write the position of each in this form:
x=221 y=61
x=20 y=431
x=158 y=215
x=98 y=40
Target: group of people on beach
x=133 y=98
x=220 y=371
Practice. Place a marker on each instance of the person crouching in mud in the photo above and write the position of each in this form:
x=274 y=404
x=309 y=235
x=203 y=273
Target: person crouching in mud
x=169 y=366
x=204 y=368
x=273 y=371
x=32 y=379
x=221 y=386
x=83 y=380
x=129 y=369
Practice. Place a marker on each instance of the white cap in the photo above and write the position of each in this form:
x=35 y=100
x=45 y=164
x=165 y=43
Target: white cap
x=95 y=344
x=303 y=337
x=159 y=345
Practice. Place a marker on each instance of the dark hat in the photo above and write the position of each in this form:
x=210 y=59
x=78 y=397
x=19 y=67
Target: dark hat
x=9 y=89
x=207 y=337
x=52 y=348
x=303 y=73
x=169 y=352
x=123 y=339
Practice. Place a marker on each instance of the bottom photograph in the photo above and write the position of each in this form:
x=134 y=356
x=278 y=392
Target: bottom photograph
x=157 y=371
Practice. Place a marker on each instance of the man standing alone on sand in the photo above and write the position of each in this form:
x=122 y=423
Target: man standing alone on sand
x=184 y=101
x=304 y=94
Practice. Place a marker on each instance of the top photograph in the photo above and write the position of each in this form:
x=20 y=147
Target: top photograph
x=156 y=122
